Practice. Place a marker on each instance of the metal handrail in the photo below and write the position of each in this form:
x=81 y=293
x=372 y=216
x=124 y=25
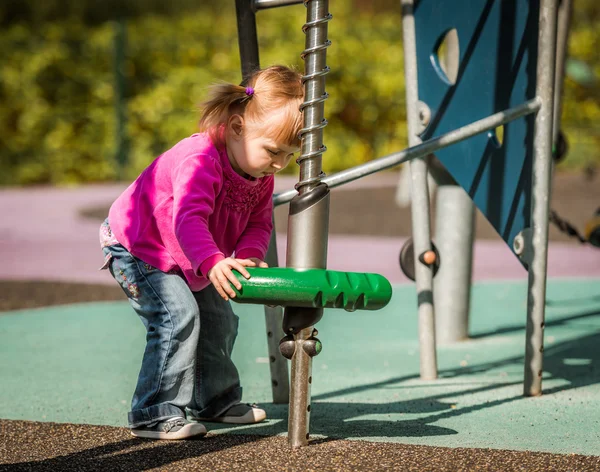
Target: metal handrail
x=421 y=150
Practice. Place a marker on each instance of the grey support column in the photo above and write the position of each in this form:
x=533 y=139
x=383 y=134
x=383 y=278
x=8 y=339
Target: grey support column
x=308 y=224
x=542 y=170
x=419 y=202
x=248 y=45
x=307 y=248
x=454 y=227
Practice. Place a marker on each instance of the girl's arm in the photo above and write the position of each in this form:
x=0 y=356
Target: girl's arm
x=254 y=241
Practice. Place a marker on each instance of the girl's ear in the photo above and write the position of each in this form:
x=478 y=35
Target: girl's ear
x=235 y=126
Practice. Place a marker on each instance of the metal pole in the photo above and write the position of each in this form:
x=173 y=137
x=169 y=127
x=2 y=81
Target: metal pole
x=419 y=202
x=454 y=227
x=248 y=44
x=308 y=222
x=542 y=169
x=247 y=37
x=565 y=11
x=421 y=150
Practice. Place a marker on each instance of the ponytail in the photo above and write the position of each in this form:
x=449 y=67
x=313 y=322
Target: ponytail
x=264 y=91
x=216 y=108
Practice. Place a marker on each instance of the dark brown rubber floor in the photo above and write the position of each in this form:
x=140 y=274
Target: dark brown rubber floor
x=27 y=446
x=18 y=295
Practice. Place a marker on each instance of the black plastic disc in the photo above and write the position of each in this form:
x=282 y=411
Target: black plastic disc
x=407 y=259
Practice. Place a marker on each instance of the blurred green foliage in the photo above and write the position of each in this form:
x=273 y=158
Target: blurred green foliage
x=57 y=119
x=581 y=103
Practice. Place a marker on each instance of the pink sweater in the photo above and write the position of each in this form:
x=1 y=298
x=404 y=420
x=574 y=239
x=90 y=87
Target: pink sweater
x=189 y=209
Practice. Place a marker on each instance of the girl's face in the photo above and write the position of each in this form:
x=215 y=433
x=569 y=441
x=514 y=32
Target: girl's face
x=251 y=150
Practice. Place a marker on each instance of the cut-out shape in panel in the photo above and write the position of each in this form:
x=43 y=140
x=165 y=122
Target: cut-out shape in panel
x=446 y=56
x=497 y=136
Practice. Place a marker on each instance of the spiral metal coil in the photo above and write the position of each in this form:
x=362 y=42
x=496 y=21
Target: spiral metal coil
x=313 y=29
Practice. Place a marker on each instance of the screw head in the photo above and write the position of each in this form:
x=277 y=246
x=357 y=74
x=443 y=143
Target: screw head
x=424 y=114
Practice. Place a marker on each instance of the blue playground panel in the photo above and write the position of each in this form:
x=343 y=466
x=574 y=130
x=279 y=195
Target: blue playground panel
x=497 y=70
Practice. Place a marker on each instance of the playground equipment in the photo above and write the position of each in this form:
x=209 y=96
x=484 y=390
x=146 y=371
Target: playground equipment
x=304 y=293
x=455 y=215
x=491 y=71
x=314 y=288
x=486 y=113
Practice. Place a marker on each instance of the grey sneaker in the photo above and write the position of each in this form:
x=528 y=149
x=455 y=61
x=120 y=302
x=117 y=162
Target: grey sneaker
x=242 y=413
x=173 y=428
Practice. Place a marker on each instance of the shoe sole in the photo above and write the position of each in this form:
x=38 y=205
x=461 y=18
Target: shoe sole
x=251 y=417
x=191 y=430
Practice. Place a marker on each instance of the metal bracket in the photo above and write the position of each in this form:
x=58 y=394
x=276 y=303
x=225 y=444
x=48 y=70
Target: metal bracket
x=424 y=114
x=522 y=245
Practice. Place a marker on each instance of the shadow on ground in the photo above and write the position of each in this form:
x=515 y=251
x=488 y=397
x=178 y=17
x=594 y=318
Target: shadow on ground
x=575 y=361
x=37 y=447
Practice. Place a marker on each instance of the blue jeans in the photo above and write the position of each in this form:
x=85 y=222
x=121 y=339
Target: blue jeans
x=189 y=338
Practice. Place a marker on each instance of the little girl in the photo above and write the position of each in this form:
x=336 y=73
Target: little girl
x=172 y=239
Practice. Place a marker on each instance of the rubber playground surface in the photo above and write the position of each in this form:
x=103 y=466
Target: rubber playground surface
x=71 y=347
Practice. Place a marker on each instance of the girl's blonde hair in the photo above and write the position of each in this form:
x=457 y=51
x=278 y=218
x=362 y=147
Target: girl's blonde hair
x=266 y=91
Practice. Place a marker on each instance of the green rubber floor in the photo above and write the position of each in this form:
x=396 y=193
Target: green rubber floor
x=78 y=364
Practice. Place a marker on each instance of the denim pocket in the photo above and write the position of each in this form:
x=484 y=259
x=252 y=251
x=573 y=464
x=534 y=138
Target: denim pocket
x=123 y=267
x=107 y=259
x=109 y=252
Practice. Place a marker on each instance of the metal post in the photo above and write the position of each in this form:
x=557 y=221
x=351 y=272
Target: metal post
x=308 y=223
x=248 y=44
x=454 y=227
x=420 y=202
x=247 y=37
x=565 y=11
x=542 y=169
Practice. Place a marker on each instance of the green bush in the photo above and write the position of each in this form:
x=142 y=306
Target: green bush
x=58 y=124
x=58 y=120
x=581 y=103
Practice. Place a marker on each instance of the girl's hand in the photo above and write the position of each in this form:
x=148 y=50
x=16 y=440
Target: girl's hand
x=258 y=262
x=220 y=275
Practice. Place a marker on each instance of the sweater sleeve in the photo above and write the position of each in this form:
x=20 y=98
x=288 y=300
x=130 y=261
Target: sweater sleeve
x=254 y=241
x=196 y=183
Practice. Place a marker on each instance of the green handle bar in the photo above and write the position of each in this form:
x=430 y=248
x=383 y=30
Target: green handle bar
x=313 y=288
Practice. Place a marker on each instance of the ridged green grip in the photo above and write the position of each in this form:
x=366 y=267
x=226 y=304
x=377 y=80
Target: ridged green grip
x=314 y=288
